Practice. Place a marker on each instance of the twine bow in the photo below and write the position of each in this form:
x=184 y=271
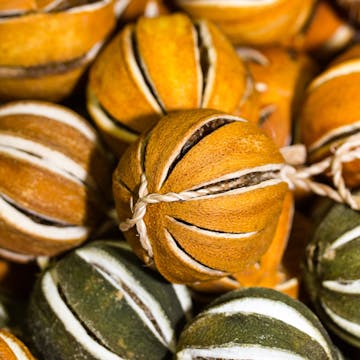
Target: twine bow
x=293 y=172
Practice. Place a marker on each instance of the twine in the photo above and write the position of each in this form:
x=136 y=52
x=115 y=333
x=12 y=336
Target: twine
x=292 y=172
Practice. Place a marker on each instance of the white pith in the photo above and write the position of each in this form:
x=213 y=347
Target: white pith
x=43 y=163
x=138 y=77
x=238 y=352
x=214 y=233
x=343 y=286
x=251 y=54
x=120 y=6
x=342 y=69
x=104 y=122
x=151 y=9
x=351 y=327
x=15 y=348
x=51 y=112
x=118 y=271
x=21 y=222
x=287 y=284
x=345 y=238
x=18 y=71
x=90 y=7
x=188 y=260
x=177 y=150
x=342 y=36
x=3 y=313
x=237 y=174
x=69 y=321
x=212 y=58
x=275 y=310
x=50 y=156
x=334 y=133
x=184 y=297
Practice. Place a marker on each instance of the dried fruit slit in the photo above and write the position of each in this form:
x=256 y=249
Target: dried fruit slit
x=91 y=334
x=204 y=59
x=334 y=138
x=139 y=302
x=197 y=136
x=247 y=180
x=37 y=218
x=145 y=76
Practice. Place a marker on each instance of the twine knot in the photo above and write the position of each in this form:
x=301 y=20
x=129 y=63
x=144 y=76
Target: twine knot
x=293 y=172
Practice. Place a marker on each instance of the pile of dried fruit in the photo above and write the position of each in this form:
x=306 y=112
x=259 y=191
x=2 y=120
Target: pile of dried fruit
x=194 y=191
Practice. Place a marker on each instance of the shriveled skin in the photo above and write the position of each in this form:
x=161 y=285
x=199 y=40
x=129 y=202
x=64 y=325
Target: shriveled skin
x=127 y=93
x=223 y=232
x=329 y=117
x=259 y=23
x=54 y=179
x=268 y=272
x=326 y=34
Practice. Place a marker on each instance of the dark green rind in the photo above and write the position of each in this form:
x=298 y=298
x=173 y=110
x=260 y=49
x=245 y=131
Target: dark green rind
x=216 y=329
x=151 y=281
x=50 y=339
x=341 y=264
x=105 y=312
x=102 y=309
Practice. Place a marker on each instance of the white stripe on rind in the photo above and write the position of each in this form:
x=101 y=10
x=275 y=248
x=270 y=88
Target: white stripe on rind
x=39 y=162
x=214 y=233
x=71 y=324
x=237 y=352
x=15 y=348
x=184 y=297
x=351 y=327
x=343 y=69
x=104 y=122
x=339 y=131
x=272 y=309
x=51 y=112
x=343 y=286
x=54 y=157
x=212 y=59
x=345 y=238
x=237 y=174
x=138 y=77
x=241 y=190
x=24 y=224
x=187 y=259
x=118 y=271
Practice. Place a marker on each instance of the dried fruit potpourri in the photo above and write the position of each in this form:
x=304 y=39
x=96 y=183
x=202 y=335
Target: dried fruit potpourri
x=46 y=45
x=256 y=323
x=332 y=271
x=208 y=203
x=54 y=179
x=164 y=64
x=100 y=302
x=249 y=22
x=268 y=271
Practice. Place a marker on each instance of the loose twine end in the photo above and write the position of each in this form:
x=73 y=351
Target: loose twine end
x=293 y=172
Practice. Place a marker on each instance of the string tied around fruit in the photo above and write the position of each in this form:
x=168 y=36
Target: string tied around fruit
x=294 y=172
